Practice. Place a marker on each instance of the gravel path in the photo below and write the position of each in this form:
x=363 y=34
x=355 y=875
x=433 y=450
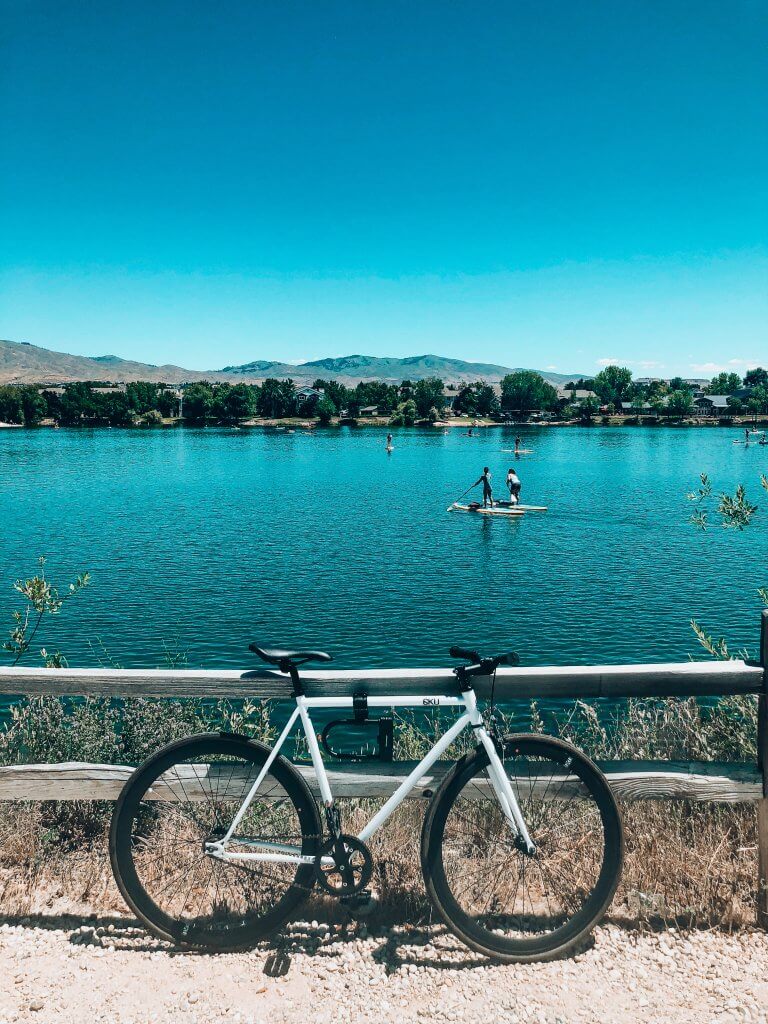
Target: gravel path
x=114 y=972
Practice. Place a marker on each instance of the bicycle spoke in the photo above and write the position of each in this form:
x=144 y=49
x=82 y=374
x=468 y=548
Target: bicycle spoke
x=169 y=837
x=502 y=889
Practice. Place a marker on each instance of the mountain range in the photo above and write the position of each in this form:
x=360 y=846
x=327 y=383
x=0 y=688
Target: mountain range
x=23 y=363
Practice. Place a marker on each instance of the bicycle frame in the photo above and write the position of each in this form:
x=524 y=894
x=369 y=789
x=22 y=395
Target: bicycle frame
x=282 y=853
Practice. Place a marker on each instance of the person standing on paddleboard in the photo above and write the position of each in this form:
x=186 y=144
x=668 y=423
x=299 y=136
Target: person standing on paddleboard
x=485 y=480
x=389 y=442
x=517 y=445
x=514 y=486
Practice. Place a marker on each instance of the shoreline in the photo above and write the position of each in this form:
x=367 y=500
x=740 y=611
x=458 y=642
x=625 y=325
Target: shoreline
x=301 y=426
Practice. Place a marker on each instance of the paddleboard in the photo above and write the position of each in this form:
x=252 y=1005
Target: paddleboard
x=389 y=448
x=520 y=451
x=495 y=511
x=523 y=508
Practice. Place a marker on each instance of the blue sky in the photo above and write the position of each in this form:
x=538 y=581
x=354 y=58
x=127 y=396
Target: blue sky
x=545 y=184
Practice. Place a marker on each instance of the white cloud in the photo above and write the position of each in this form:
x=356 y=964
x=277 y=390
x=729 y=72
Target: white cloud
x=708 y=367
x=553 y=367
x=748 y=364
x=643 y=364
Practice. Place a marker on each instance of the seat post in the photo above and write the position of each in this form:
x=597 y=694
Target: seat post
x=286 y=665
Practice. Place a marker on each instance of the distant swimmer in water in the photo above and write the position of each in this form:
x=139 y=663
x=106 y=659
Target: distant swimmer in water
x=485 y=480
x=514 y=486
x=517 y=445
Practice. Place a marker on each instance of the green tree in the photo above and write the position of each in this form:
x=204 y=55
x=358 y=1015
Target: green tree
x=167 y=403
x=679 y=404
x=758 y=400
x=588 y=409
x=11 y=408
x=612 y=385
x=326 y=410
x=756 y=377
x=404 y=415
x=33 y=405
x=487 y=404
x=277 y=398
x=237 y=403
x=466 y=401
x=735 y=405
x=336 y=392
x=658 y=404
x=114 y=408
x=142 y=396
x=78 y=405
x=428 y=394
x=374 y=392
x=638 y=403
x=198 y=403
x=525 y=391
x=657 y=388
x=724 y=384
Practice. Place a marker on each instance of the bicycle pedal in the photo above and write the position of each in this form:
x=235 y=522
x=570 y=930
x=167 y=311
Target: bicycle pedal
x=361 y=904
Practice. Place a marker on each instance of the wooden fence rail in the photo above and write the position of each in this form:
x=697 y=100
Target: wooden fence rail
x=631 y=780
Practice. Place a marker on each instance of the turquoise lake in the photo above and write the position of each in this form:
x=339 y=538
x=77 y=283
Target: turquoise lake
x=204 y=540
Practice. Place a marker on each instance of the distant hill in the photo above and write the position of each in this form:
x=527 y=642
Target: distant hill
x=358 y=367
x=22 y=363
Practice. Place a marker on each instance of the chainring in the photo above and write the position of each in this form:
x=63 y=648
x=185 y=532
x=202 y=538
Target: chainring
x=351 y=869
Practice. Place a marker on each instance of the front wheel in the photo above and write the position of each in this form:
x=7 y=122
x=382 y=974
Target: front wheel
x=495 y=897
x=186 y=796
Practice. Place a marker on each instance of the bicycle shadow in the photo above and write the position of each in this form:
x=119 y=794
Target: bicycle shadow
x=396 y=947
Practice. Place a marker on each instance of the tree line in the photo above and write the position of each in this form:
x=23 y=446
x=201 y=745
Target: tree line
x=520 y=393
x=614 y=386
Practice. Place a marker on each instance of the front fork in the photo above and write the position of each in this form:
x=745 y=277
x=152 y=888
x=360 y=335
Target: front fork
x=503 y=789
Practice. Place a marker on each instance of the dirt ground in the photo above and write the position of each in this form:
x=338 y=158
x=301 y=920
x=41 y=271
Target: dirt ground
x=62 y=970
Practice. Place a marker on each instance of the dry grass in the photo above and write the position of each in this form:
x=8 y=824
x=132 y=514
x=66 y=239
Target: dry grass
x=691 y=864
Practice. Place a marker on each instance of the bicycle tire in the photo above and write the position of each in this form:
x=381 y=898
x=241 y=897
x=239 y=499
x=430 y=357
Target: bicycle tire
x=439 y=877
x=136 y=819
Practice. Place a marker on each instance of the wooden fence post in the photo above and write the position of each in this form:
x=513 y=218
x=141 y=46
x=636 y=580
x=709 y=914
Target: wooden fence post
x=762 y=764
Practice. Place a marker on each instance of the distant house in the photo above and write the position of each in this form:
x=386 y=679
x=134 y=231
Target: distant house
x=712 y=405
x=61 y=389
x=630 y=409
x=574 y=394
x=306 y=393
x=369 y=410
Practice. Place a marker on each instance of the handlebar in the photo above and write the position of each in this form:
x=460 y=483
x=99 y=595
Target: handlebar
x=479 y=665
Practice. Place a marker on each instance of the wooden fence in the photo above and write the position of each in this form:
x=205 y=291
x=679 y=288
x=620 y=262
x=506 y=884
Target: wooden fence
x=631 y=780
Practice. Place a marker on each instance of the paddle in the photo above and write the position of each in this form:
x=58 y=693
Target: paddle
x=460 y=497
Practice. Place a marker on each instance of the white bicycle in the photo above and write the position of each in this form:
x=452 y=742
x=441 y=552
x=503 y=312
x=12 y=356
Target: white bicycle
x=216 y=839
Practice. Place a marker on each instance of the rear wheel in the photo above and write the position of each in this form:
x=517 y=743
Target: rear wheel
x=187 y=795
x=495 y=897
